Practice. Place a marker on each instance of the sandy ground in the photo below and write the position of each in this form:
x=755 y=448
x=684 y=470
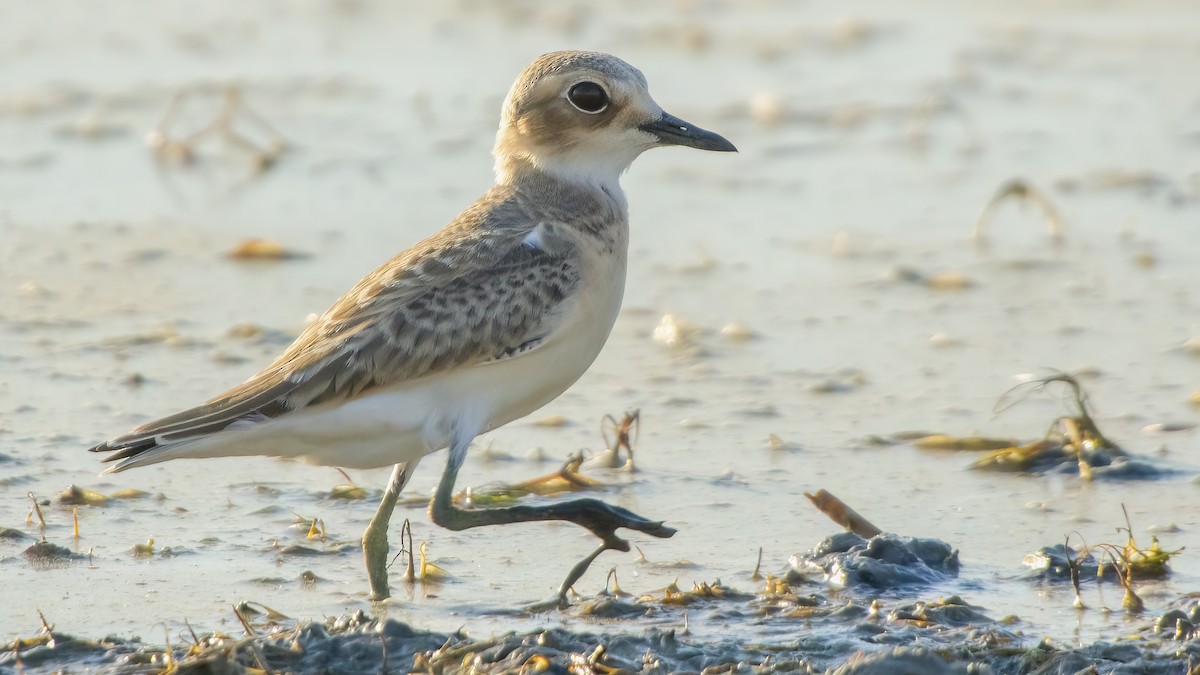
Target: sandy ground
x=871 y=136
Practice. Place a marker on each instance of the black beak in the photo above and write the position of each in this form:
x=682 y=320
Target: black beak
x=671 y=130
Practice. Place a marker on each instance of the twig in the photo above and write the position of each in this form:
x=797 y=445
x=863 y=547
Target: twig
x=843 y=515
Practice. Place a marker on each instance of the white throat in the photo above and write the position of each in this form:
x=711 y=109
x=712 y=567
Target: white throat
x=601 y=172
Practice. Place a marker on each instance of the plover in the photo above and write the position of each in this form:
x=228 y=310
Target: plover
x=483 y=322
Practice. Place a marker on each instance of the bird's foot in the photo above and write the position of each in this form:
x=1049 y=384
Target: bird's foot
x=604 y=519
x=600 y=518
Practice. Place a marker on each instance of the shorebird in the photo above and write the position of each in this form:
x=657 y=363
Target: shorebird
x=483 y=322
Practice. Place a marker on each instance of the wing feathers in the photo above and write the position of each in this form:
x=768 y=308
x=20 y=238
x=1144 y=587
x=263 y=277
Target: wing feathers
x=471 y=294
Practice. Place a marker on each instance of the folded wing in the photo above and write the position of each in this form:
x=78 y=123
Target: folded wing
x=466 y=296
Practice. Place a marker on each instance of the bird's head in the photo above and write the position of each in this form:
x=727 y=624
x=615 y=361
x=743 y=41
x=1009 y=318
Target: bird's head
x=586 y=116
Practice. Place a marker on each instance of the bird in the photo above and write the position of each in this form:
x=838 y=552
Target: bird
x=481 y=323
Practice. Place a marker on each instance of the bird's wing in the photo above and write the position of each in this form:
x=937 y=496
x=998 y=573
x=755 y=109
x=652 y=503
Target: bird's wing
x=466 y=296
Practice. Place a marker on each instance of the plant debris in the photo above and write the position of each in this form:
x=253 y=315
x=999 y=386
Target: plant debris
x=1124 y=563
x=1019 y=190
x=233 y=126
x=617 y=437
x=262 y=249
x=566 y=479
x=77 y=496
x=1074 y=442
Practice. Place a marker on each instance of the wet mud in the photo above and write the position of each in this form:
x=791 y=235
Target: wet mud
x=939 y=214
x=867 y=625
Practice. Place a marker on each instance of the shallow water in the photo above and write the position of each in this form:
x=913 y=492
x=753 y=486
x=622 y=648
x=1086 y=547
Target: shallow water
x=112 y=266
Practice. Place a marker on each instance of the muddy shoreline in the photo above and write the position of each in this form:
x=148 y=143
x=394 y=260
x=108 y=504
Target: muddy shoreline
x=935 y=207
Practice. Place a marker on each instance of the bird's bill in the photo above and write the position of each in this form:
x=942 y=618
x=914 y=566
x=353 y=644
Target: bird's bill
x=670 y=130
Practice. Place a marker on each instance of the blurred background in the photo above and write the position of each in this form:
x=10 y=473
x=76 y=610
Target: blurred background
x=182 y=184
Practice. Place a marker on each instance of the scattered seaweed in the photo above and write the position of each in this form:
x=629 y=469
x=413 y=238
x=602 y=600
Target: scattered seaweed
x=36 y=510
x=347 y=490
x=130 y=493
x=967 y=444
x=567 y=479
x=77 y=496
x=617 y=437
x=1123 y=563
x=1075 y=437
x=315 y=532
x=1018 y=189
x=673 y=596
x=256 y=248
x=1073 y=443
x=406 y=551
x=431 y=572
x=756 y=575
x=145 y=550
x=233 y=127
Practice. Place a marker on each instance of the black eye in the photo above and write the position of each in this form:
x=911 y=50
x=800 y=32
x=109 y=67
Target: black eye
x=588 y=97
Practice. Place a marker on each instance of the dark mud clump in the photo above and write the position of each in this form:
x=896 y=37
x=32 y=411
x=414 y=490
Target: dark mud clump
x=44 y=555
x=885 y=561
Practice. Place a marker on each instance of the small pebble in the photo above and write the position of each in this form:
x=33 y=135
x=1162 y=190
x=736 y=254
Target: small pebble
x=736 y=332
x=943 y=340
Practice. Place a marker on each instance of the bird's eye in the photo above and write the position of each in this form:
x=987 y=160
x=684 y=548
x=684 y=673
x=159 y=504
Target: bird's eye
x=588 y=97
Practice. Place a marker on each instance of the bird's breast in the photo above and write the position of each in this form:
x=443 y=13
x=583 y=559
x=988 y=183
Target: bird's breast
x=485 y=396
x=536 y=378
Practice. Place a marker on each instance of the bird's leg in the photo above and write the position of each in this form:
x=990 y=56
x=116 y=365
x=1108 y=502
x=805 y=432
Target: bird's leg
x=600 y=518
x=374 y=539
